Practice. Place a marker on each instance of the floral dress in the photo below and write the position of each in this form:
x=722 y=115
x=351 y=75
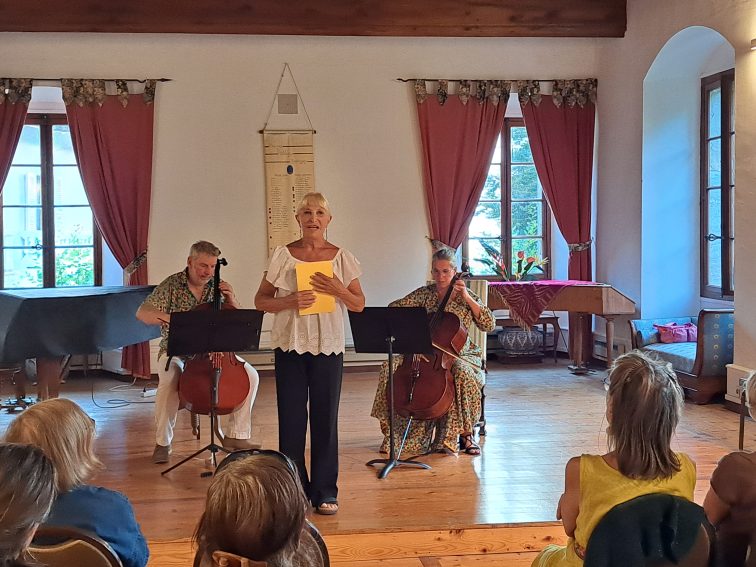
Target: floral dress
x=435 y=435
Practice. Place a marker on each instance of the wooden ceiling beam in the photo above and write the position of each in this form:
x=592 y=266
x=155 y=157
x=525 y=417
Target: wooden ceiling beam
x=404 y=18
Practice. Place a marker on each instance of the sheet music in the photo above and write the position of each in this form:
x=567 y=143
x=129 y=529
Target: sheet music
x=324 y=303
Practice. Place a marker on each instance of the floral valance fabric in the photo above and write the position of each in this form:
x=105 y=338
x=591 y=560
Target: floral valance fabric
x=15 y=90
x=576 y=91
x=569 y=92
x=94 y=91
x=493 y=91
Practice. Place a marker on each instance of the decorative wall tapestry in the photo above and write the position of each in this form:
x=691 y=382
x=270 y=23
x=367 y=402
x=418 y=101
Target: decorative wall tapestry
x=289 y=161
x=289 y=175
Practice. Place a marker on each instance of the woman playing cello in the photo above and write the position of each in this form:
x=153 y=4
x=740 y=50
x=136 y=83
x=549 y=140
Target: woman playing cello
x=453 y=431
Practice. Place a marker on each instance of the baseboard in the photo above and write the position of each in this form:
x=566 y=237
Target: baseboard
x=621 y=346
x=261 y=360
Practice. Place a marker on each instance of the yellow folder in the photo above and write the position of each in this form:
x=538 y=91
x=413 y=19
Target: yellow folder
x=324 y=303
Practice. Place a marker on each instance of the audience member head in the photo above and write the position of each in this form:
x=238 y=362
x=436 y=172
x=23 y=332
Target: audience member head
x=644 y=405
x=256 y=509
x=27 y=490
x=65 y=433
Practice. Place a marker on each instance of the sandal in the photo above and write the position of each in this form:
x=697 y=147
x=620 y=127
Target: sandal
x=468 y=445
x=327 y=508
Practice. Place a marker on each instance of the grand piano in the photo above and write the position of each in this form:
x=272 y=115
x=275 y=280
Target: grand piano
x=581 y=298
x=51 y=323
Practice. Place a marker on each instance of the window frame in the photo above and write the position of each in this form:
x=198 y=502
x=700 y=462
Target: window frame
x=725 y=81
x=506 y=209
x=47 y=207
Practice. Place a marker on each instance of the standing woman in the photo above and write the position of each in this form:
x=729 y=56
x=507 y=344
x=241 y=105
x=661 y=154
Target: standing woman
x=453 y=431
x=309 y=349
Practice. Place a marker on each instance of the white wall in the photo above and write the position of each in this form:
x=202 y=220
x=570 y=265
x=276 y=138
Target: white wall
x=670 y=263
x=208 y=178
x=208 y=172
x=622 y=67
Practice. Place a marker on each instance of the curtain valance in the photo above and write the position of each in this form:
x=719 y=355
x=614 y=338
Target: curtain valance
x=95 y=91
x=15 y=90
x=567 y=92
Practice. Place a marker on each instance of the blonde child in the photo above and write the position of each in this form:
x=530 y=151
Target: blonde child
x=643 y=407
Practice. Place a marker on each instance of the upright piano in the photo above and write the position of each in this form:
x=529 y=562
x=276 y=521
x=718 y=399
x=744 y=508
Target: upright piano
x=51 y=323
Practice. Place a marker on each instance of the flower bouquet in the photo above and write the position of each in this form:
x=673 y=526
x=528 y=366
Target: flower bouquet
x=521 y=268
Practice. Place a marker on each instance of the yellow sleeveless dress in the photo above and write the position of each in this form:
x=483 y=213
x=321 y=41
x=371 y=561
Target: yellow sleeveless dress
x=602 y=488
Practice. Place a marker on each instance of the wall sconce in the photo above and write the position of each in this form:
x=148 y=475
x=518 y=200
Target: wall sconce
x=753 y=45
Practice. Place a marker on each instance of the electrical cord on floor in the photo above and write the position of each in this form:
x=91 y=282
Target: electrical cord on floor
x=115 y=403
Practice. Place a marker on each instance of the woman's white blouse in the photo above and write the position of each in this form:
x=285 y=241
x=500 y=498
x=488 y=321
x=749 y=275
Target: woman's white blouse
x=317 y=334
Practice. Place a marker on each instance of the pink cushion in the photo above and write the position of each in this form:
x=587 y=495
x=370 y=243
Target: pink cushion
x=673 y=333
x=692 y=332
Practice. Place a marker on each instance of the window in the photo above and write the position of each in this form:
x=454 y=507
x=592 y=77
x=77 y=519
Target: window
x=718 y=185
x=49 y=238
x=512 y=213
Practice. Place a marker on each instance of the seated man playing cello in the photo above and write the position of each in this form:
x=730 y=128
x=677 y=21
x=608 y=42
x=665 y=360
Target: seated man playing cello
x=179 y=292
x=452 y=431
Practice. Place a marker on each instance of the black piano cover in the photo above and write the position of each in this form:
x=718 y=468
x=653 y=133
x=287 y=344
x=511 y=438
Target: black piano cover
x=74 y=320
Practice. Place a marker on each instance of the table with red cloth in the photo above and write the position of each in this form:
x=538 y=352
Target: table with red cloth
x=527 y=300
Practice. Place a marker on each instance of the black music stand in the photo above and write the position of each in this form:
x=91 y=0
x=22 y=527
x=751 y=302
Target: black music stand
x=201 y=332
x=392 y=330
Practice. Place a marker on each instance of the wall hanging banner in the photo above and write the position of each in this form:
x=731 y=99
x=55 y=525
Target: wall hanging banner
x=289 y=175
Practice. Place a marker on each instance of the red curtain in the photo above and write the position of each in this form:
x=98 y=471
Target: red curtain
x=458 y=144
x=12 y=117
x=561 y=139
x=113 y=146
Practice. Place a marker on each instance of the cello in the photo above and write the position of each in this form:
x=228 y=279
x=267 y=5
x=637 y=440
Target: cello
x=424 y=385
x=197 y=382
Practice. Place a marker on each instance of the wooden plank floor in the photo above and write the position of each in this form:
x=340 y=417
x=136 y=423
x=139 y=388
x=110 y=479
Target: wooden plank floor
x=539 y=416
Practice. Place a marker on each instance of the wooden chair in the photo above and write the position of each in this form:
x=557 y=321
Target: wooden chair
x=480 y=288
x=311 y=539
x=224 y=559
x=320 y=543
x=655 y=530
x=76 y=548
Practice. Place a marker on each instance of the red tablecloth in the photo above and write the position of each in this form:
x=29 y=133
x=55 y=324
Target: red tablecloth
x=527 y=300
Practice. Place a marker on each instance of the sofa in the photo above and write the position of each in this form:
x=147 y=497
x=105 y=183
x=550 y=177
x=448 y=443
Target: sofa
x=701 y=366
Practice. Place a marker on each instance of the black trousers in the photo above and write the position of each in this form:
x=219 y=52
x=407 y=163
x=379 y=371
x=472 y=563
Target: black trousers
x=300 y=377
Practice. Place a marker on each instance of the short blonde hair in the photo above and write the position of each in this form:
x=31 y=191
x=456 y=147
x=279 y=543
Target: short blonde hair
x=204 y=247
x=255 y=508
x=65 y=433
x=314 y=199
x=645 y=404
x=27 y=491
